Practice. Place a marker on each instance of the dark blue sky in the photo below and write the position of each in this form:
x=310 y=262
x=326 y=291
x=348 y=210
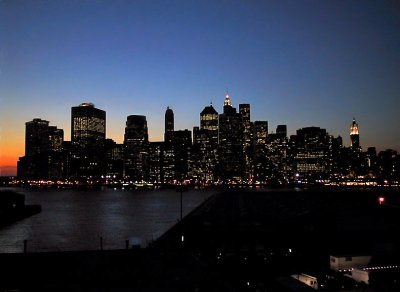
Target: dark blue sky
x=300 y=63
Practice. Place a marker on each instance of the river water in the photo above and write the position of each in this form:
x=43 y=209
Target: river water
x=77 y=219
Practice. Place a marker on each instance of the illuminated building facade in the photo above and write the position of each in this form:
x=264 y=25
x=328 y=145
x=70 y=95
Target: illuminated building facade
x=244 y=110
x=260 y=132
x=354 y=136
x=205 y=144
x=261 y=162
x=230 y=150
x=136 y=148
x=209 y=122
x=204 y=155
x=279 y=161
x=156 y=158
x=88 y=125
x=225 y=147
x=313 y=152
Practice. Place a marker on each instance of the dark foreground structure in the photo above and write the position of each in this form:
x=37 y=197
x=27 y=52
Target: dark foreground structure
x=235 y=241
x=13 y=208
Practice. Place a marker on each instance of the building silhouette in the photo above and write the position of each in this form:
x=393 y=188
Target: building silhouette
x=87 y=149
x=225 y=147
x=88 y=125
x=248 y=147
x=169 y=125
x=313 y=152
x=280 y=161
x=230 y=149
x=205 y=145
x=156 y=159
x=43 y=151
x=136 y=148
x=262 y=167
x=209 y=122
x=354 y=136
x=281 y=131
x=182 y=145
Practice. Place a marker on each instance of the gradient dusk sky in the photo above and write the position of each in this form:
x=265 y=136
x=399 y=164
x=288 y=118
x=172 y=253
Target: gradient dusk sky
x=300 y=63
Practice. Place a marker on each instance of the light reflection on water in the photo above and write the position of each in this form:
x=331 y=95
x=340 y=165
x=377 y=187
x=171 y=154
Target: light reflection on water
x=76 y=219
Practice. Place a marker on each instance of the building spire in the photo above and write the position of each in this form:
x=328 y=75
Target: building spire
x=354 y=127
x=355 y=136
x=227 y=99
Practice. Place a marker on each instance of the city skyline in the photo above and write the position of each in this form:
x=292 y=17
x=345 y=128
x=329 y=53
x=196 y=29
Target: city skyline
x=297 y=63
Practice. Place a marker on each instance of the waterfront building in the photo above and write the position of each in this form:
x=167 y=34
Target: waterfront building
x=262 y=168
x=313 y=152
x=355 y=136
x=114 y=158
x=281 y=131
x=88 y=125
x=182 y=144
x=169 y=125
x=230 y=149
x=40 y=137
x=244 y=110
x=205 y=144
x=204 y=155
x=156 y=159
x=279 y=168
x=260 y=132
x=209 y=122
x=136 y=148
x=43 y=147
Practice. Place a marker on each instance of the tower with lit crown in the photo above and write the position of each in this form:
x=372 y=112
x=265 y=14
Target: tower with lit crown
x=230 y=148
x=354 y=135
x=227 y=100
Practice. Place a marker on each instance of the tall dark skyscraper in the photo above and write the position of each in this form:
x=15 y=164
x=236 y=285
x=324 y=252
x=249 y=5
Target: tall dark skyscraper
x=169 y=125
x=281 y=131
x=182 y=144
x=136 y=148
x=43 y=146
x=230 y=150
x=88 y=125
x=40 y=137
x=354 y=136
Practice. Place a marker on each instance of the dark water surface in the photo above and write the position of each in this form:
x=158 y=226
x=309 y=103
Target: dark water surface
x=76 y=219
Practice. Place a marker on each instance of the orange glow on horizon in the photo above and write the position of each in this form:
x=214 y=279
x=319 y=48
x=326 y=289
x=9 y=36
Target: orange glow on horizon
x=10 y=152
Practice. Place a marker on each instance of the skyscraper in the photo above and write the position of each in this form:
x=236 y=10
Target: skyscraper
x=281 y=131
x=260 y=132
x=136 y=148
x=40 y=137
x=182 y=144
x=354 y=136
x=244 y=110
x=43 y=146
x=88 y=125
x=313 y=151
x=169 y=125
x=230 y=150
x=209 y=121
